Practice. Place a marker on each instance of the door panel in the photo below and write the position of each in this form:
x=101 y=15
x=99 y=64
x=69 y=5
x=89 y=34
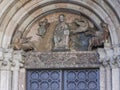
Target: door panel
x=81 y=80
x=43 y=80
x=86 y=79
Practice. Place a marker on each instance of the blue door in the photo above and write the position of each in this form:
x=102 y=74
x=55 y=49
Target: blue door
x=87 y=79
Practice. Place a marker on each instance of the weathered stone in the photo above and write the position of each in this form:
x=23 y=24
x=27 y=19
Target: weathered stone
x=61 y=59
x=23 y=15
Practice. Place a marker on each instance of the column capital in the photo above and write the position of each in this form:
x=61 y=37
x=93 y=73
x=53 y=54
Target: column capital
x=117 y=60
x=109 y=56
x=18 y=60
x=6 y=55
x=1 y=57
x=10 y=59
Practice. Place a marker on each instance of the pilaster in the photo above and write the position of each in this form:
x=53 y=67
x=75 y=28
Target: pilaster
x=110 y=60
x=17 y=63
x=5 y=69
x=10 y=63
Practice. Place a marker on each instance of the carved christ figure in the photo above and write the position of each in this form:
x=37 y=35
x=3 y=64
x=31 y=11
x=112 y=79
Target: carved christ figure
x=61 y=35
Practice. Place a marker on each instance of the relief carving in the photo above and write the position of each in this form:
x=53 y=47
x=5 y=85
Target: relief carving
x=79 y=34
x=43 y=26
x=60 y=59
x=20 y=43
x=82 y=25
x=61 y=35
x=99 y=37
x=79 y=41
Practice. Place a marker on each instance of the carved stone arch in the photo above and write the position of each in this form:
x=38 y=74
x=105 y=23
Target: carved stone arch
x=82 y=3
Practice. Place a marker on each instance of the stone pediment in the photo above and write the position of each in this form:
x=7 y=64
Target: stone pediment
x=61 y=59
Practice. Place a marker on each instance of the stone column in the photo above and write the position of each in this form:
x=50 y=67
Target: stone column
x=10 y=64
x=118 y=62
x=110 y=58
x=1 y=60
x=108 y=77
x=17 y=63
x=116 y=69
x=103 y=75
x=5 y=70
x=115 y=78
x=22 y=79
x=116 y=73
x=103 y=78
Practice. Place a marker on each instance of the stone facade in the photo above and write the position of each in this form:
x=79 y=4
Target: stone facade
x=24 y=15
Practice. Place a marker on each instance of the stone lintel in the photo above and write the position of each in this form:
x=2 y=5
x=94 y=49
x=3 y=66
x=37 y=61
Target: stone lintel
x=61 y=60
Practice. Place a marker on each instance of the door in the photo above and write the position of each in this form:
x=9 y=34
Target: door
x=86 y=79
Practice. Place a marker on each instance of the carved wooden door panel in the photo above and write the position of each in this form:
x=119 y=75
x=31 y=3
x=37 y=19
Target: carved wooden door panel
x=63 y=79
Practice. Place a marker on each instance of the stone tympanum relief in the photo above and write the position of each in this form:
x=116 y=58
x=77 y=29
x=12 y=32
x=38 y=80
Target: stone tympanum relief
x=99 y=37
x=62 y=32
x=61 y=35
x=20 y=42
x=43 y=25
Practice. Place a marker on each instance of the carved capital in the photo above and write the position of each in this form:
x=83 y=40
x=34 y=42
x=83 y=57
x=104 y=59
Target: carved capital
x=109 y=57
x=117 y=60
x=10 y=59
x=6 y=58
x=18 y=60
x=1 y=56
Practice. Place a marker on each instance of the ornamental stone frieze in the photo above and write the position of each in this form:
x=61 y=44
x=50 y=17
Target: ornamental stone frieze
x=61 y=59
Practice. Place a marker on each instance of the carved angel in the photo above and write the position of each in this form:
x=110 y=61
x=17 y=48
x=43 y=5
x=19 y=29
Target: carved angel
x=43 y=26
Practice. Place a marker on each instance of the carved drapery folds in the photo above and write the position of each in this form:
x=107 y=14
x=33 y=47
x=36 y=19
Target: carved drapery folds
x=61 y=35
